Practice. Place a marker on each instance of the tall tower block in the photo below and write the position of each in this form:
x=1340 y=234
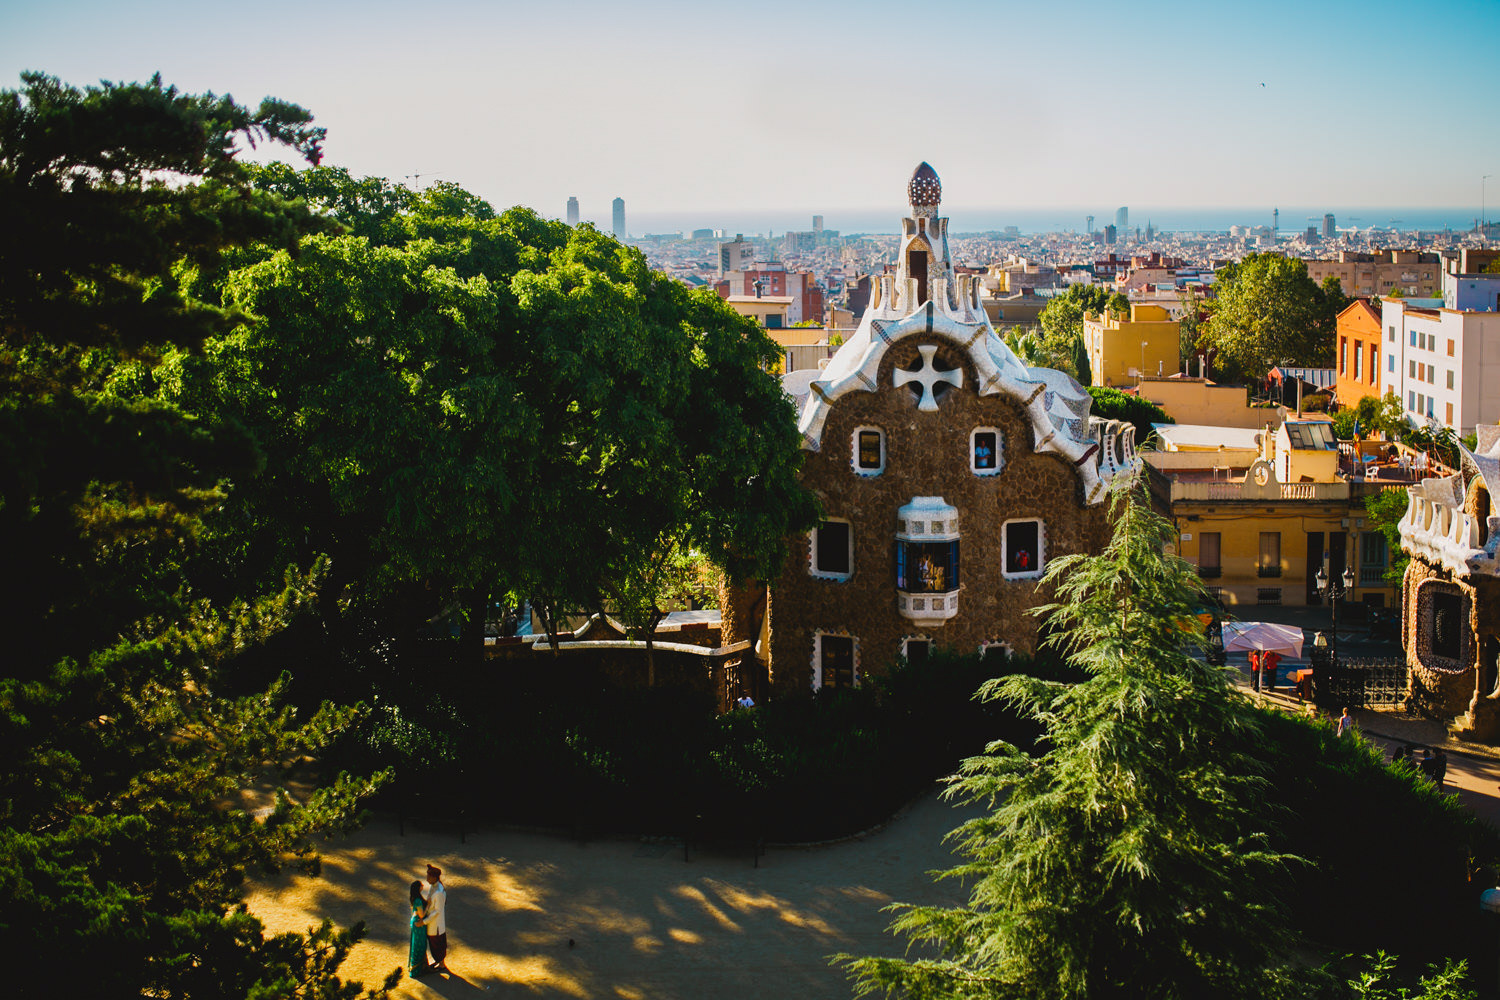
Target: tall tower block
x=619 y=218
x=573 y=211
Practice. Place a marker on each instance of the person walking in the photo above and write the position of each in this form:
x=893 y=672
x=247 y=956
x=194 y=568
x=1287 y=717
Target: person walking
x=1346 y=723
x=436 y=919
x=1255 y=670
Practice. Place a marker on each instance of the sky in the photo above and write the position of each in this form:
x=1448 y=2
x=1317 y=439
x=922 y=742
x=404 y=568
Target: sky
x=694 y=107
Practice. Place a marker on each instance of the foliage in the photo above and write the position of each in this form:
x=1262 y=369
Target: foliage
x=460 y=405
x=1130 y=859
x=1326 y=787
x=1269 y=312
x=1374 y=981
x=1081 y=369
x=126 y=748
x=1375 y=416
x=1112 y=404
x=1386 y=509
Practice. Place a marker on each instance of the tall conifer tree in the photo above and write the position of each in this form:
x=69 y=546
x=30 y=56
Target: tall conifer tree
x=1128 y=860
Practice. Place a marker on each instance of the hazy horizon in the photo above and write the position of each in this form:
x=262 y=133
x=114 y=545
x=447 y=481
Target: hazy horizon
x=669 y=103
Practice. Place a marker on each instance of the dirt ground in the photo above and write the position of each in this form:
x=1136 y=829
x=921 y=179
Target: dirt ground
x=642 y=922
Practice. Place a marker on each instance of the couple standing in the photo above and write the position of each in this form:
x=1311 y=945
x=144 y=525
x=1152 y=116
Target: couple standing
x=429 y=925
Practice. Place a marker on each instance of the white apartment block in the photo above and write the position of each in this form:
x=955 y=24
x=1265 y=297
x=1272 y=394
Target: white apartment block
x=1443 y=363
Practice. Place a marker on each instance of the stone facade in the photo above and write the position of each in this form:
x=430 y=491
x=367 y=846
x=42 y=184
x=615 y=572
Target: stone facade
x=1451 y=594
x=950 y=474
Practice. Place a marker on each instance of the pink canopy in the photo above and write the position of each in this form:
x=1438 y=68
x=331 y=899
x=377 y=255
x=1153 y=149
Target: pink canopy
x=1264 y=636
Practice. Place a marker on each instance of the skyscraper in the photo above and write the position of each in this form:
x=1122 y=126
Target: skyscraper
x=1122 y=219
x=573 y=211
x=619 y=226
x=1275 y=221
x=1111 y=233
x=1328 y=230
x=817 y=223
x=1089 y=222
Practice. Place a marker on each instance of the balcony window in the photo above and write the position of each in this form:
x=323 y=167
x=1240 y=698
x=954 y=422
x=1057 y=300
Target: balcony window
x=1372 y=558
x=927 y=561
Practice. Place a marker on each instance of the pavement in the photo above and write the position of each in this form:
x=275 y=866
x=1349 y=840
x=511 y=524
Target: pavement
x=543 y=916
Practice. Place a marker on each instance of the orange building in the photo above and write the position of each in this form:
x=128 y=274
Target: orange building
x=1358 y=355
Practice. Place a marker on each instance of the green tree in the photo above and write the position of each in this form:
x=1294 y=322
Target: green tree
x=1268 y=312
x=1113 y=404
x=1129 y=860
x=1386 y=509
x=1081 y=369
x=123 y=735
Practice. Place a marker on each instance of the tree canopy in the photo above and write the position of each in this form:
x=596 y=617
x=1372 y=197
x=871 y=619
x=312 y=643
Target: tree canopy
x=124 y=737
x=1268 y=312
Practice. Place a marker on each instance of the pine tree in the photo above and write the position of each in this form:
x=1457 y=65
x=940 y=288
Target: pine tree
x=1128 y=859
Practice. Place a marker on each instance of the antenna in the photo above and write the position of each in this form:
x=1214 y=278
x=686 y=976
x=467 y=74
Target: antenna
x=417 y=178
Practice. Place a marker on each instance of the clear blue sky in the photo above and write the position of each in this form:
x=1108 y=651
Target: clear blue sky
x=820 y=106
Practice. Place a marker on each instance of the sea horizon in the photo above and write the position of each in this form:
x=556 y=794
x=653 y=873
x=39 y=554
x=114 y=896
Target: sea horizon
x=1033 y=220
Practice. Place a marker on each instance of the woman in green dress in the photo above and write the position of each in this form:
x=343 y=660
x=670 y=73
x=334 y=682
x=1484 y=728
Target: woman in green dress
x=416 y=958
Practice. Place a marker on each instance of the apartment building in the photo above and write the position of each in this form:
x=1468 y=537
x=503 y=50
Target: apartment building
x=1409 y=272
x=1443 y=363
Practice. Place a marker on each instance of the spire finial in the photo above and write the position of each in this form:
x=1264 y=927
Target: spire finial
x=924 y=190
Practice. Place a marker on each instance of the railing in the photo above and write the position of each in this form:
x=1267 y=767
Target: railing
x=1236 y=491
x=1360 y=683
x=1210 y=572
x=1371 y=574
x=1268 y=571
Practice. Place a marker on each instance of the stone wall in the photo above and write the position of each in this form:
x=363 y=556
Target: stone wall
x=927 y=454
x=1441 y=687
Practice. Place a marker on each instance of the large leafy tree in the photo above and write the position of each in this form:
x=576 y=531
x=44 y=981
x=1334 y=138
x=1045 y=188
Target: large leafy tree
x=1129 y=860
x=459 y=405
x=123 y=757
x=1268 y=312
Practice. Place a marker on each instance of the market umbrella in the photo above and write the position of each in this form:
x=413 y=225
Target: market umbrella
x=1267 y=637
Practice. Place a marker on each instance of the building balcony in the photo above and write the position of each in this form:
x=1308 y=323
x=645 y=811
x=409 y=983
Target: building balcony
x=928 y=609
x=1268 y=571
x=1372 y=576
x=1210 y=572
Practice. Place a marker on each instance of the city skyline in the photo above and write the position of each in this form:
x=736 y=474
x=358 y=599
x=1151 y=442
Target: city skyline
x=1177 y=105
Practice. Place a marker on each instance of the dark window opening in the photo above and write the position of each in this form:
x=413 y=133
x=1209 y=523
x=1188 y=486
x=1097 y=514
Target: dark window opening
x=832 y=548
x=916 y=263
x=838 y=661
x=917 y=650
x=1482 y=514
x=1023 y=552
x=1446 y=625
x=869 y=450
x=926 y=567
x=985 y=449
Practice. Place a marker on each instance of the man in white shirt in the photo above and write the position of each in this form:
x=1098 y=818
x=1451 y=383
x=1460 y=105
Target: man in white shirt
x=437 y=919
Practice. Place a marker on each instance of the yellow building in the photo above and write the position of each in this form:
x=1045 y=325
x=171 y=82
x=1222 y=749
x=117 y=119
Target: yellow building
x=1122 y=351
x=1200 y=401
x=1259 y=532
x=770 y=311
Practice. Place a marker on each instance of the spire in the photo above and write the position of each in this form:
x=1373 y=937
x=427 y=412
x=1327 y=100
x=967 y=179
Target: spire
x=924 y=190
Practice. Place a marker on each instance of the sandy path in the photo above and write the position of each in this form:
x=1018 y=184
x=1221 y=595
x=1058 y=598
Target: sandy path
x=646 y=924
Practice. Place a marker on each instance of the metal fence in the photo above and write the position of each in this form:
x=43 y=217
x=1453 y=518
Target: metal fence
x=1361 y=683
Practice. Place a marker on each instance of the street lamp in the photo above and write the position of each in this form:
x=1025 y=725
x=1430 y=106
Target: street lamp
x=1335 y=593
x=1142 y=376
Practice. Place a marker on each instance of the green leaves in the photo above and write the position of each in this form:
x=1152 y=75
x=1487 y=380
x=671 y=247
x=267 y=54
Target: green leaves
x=1268 y=312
